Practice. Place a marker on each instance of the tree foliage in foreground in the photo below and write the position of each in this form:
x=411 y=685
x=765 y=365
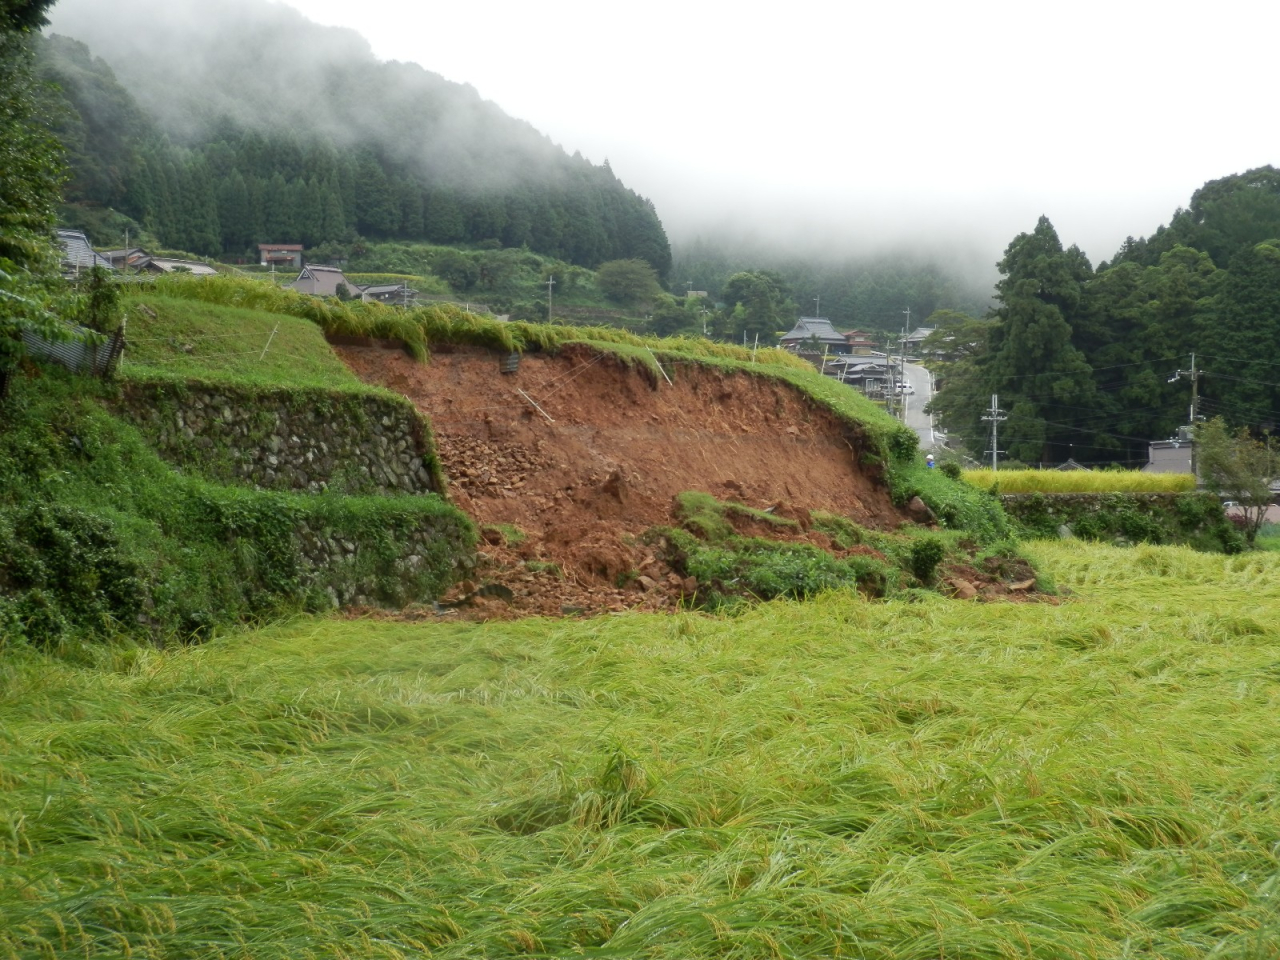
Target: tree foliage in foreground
x=30 y=177
x=1236 y=466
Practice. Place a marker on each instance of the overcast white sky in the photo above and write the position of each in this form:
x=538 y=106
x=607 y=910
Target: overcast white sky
x=866 y=124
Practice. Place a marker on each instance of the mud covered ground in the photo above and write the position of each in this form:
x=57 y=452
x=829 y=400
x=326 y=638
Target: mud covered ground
x=566 y=462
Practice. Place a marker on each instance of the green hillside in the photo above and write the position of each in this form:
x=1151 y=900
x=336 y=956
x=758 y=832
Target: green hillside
x=316 y=141
x=841 y=778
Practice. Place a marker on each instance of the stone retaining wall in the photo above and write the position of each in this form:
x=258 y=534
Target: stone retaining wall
x=416 y=562
x=304 y=440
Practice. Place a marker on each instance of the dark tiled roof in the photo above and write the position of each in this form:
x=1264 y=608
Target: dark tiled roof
x=814 y=328
x=77 y=254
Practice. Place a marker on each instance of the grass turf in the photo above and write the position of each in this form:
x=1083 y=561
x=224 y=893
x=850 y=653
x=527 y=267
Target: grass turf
x=840 y=778
x=189 y=339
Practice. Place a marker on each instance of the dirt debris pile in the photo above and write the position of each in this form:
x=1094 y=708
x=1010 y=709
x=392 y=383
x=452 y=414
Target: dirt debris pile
x=566 y=463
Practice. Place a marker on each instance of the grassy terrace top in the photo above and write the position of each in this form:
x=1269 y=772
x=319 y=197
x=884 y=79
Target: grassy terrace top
x=256 y=300
x=188 y=339
x=891 y=781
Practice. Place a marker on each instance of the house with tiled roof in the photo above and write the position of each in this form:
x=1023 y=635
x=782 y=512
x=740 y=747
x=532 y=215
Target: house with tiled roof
x=78 y=254
x=137 y=260
x=814 y=335
x=280 y=255
x=323 y=281
x=400 y=294
x=860 y=342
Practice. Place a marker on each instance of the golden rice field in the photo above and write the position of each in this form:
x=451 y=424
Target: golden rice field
x=839 y=778
x=1080 y=481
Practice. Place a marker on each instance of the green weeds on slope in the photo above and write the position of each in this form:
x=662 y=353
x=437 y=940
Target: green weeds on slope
x=887 y=781
x=99 y=537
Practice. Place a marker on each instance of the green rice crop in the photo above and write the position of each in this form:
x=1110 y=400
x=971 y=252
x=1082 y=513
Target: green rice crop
x=891 y=781
x=1080 y=481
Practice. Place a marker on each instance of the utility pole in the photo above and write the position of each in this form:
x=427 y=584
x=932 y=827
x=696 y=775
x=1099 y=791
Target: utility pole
x=1194 y=376
x=890 y=400
x=817 y=306
x=551 y=282
x=902 y=348
x=996 y=417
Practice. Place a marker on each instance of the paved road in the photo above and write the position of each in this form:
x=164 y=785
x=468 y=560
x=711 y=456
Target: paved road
x=916 y=418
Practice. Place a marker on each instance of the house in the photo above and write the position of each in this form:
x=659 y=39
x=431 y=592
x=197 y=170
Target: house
x=78 y=254
x=400 y=294
x=814 y=335
x=137 y=260
x=868 y=374
x=280 y=255
x=196 y=268
x=913 y=343
x=322 y=281
x=126 y=258
x=1175 y=455
x=860 y=342
x=1170 y=456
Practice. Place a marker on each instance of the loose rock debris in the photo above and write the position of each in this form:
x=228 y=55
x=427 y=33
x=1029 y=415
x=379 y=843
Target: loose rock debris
x=562 y=505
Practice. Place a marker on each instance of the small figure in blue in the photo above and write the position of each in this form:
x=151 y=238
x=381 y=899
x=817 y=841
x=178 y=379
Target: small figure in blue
x=928 y=461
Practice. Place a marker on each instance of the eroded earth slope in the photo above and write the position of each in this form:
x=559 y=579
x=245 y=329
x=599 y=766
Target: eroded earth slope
x=582 y=453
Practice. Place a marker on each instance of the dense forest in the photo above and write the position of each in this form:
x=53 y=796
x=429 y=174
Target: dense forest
x=246 y=123
x=1092 y=363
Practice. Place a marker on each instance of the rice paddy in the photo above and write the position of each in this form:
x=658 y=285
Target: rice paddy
x=1080 y=481
x=839 y=778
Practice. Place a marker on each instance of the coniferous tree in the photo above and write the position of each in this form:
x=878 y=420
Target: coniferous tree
x=1042 y=379
x=377 y=212
x=277 y=211
x=234 y=213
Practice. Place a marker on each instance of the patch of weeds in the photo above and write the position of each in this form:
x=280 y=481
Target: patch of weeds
x=508 y=533
x=844 y=533
x=752 y=567
x=711 y=519
x=542 y=566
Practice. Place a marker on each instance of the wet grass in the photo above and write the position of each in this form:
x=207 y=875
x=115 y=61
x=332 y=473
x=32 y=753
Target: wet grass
x=179 y=339
x=838 y=778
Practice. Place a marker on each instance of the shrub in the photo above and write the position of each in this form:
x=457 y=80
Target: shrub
x=924 y=556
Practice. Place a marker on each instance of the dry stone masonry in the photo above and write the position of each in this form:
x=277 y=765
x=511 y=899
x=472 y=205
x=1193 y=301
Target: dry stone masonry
x=418 y=562
x=302 y=440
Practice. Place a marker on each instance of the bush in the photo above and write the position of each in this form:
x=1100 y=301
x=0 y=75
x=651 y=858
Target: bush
x=924 y=556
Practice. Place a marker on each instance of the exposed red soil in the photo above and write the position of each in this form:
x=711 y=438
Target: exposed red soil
x=604 y=458
x=600 y=459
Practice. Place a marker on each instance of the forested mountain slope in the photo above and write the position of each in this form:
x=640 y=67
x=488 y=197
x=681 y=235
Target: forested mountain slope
x=1092 y=363
x=220 y=126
